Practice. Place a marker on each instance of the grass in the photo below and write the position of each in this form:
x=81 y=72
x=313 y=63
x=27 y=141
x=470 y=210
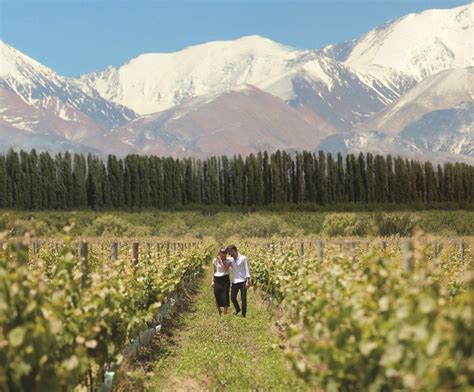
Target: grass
x=212 y=352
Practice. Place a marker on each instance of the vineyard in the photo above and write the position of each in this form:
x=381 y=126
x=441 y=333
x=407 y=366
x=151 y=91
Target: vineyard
x=381 y=315
x=374 y=314
x=69 y=312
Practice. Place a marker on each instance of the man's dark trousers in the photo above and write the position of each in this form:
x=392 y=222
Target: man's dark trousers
x=243 y=296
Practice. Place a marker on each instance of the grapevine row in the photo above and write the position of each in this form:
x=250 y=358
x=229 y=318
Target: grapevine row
x=61 y=325
x=374 y=318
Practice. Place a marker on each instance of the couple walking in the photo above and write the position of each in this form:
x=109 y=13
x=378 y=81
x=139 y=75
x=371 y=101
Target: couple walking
x=240 y=279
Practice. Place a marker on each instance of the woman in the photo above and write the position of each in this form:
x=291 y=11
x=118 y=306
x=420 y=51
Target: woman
x=220 y=280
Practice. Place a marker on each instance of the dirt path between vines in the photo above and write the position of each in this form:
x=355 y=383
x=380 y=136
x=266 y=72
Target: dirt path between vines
x=228 y=353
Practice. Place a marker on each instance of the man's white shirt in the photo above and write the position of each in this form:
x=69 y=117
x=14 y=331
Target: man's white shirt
x=240 y=269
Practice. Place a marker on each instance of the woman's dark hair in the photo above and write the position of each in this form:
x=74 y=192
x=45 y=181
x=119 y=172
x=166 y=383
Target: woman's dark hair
x=231 y=247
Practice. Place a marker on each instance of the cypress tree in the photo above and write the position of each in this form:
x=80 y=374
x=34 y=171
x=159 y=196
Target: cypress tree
x=258 y=180
x=370 y=181
x=429 y=182
x=277 y=184
x=299 y=191
x=362 y=176
x=35 y=183
x=144 y=181
x=197 y=179
x=267 y=179
x=4 y=198
x=14 y=175
x=390 y=179
x=309 y=185
x=322 y=179
x=250 y=168
x=79 y=181
x=48 y=180
x=380 y=179
x=67 y=180
x=340 y=179
x=332 y=179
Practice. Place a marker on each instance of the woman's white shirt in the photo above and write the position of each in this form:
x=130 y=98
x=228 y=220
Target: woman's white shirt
x=219 y=270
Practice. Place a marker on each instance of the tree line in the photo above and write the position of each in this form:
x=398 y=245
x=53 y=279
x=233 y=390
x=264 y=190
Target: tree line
x=31 y=180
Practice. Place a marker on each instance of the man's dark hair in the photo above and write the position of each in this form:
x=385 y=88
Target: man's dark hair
x=231 y=247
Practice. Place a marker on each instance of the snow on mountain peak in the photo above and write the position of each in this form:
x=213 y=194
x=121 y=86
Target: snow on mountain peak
x=53 y=95
x=157 y=81
x=418 y=45
x=17 y=66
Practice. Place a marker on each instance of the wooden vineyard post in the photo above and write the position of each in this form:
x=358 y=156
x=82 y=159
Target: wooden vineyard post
x=148 y=249
x=135 y=253
x=408 y=256
x=352 y=250
x=84 y=255
x=462 y=246
x=302 y=249
x=437 y=250
x=384 y=246
x=21 y=249
x=157 y=250
x=321 y=251
x=114 y=252
x=36 y=248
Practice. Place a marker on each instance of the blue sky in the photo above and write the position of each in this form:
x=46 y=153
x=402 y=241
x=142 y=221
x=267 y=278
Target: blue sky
x=74 y=37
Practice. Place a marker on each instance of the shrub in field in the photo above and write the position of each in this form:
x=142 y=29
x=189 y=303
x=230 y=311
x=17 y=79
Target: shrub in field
x=255 y=226
x=347 y=224
x=395 y=223
x=19 y=226
x=110 y=225
x=447 y=222
x=175 y=228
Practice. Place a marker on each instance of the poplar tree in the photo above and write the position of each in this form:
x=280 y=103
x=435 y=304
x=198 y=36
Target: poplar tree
x=79 y=181
x=4 y=197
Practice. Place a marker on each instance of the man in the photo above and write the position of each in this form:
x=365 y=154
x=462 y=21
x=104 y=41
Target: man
x=240 y=279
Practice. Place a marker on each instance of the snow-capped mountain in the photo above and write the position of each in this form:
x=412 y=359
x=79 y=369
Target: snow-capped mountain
x=36 y=100
x=344 y=84
x=244 y=120
x=445 y=130
x=25 y=126
x=376 y=92
x=436 y=116
x=152 y=83
x=158 y=81
x=443 y=90
x=416 y=45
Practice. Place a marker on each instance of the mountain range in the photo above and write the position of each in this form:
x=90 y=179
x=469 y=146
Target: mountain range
x=404 y=88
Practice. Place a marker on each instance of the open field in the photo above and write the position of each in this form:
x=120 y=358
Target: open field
x=221 y=225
